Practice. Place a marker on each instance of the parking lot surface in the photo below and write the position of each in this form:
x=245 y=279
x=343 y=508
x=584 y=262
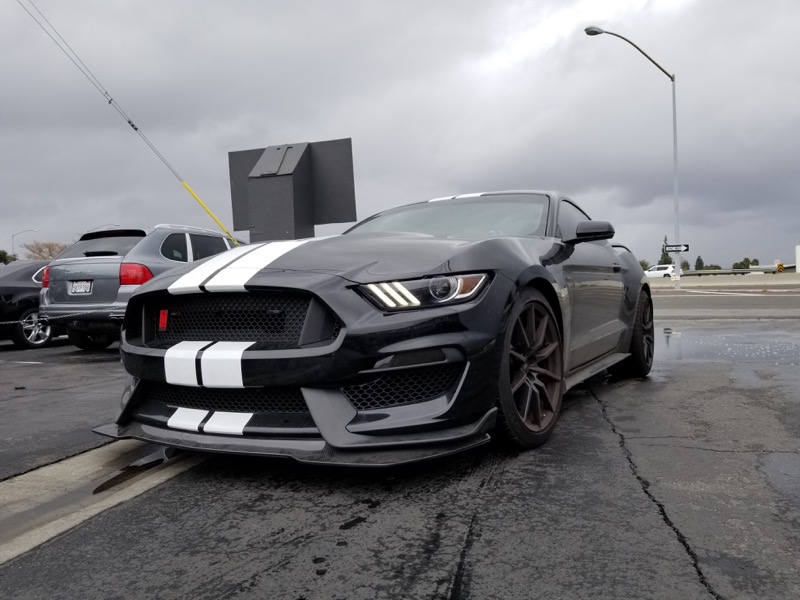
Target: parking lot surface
x=681 y=485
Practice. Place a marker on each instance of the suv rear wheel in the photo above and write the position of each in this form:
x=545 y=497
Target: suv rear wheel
x=90 y=341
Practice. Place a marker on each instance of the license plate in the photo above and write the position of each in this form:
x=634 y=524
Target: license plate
x=81 y=287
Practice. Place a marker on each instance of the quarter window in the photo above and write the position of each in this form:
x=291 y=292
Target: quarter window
x=174 y=247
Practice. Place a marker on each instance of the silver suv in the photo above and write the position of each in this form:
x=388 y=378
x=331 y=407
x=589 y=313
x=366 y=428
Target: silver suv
x=86 y=288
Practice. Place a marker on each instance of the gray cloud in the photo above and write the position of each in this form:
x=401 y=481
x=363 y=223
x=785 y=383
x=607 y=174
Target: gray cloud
x=439 y=98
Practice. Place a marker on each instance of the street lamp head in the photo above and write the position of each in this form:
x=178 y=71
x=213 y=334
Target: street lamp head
x=592 y=30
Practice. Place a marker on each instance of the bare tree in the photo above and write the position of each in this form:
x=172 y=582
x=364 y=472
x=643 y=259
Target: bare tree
x=43 y=250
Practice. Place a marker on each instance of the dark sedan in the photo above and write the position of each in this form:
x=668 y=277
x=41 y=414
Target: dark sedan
x=422 y=331
x=20 y=282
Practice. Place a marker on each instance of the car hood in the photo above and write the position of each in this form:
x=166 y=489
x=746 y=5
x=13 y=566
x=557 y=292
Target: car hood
x=367 y=257
x=356 y=257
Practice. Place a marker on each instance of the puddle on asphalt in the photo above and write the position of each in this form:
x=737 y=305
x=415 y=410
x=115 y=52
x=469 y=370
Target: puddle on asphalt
x=744 y=345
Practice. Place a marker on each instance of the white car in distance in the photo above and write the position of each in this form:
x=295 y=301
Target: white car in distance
x=660 y=271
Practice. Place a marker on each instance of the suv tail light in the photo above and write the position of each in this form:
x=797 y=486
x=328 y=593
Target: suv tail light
x=133 y=274
x=46 y=277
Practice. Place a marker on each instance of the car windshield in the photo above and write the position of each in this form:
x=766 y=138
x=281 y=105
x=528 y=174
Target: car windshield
x=506 y=215
x=103 y=246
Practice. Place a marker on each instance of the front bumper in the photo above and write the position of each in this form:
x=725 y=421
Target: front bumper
x=387 y=389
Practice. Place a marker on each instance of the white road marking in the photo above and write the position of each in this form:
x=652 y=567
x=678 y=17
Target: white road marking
x=763 y=294
x=21 y=362
x=44 y=487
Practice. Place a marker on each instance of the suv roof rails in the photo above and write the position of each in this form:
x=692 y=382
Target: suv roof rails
x=188 y=227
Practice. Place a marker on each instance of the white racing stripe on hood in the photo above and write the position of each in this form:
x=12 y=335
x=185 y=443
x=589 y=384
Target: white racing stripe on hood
x=190 y=283
x=233 y=277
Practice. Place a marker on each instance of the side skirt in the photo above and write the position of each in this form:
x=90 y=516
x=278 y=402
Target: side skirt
x=594 y=368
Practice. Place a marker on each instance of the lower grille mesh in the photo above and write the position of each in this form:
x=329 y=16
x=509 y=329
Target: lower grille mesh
x=404 y=387
x=244 y=400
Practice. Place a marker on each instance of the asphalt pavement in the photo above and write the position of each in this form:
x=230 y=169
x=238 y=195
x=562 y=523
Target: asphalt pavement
x=681 y=485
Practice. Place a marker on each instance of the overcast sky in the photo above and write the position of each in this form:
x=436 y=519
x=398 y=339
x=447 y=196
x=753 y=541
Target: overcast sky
x=439 y=98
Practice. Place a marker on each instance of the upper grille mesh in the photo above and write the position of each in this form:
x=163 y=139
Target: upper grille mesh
x=244 y=400
x=404 y=387
x=275 y=318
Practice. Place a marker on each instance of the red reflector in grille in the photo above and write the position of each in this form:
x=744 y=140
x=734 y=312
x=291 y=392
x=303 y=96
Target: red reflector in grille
x=163 y=315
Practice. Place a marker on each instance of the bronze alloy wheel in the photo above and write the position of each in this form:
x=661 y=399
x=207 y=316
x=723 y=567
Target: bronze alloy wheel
x=648 y=335
x=532 y=374
x=643 y=342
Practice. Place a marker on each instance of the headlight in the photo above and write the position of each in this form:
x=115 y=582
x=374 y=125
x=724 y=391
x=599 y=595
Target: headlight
x=424 y=293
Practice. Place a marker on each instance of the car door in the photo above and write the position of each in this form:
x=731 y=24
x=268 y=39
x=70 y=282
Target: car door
x=593 y=274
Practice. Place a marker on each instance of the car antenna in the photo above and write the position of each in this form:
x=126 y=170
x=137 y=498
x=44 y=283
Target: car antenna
x=81 y=66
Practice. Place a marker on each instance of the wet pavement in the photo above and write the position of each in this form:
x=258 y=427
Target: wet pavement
x=50 y=399
x=747 y=342
x=681 y=485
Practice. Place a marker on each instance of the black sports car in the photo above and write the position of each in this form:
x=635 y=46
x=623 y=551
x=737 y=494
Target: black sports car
x=20 y=282
x=421 y=331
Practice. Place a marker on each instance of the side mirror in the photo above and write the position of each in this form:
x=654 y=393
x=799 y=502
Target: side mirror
x=592 y=231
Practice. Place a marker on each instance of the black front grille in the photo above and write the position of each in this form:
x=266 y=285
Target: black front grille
x=243 y=400
x=273 y=319
x=404 y=387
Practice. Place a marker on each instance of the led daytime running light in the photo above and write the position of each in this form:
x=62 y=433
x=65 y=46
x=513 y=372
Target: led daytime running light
x=420 y=293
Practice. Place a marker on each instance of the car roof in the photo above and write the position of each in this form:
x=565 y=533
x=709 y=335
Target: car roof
x=93 y=235
x=549 y=193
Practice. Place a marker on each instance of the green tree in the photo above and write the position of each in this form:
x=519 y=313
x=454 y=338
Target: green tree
x=685 y=265
x=6 y=257
x=713 y=267
x=665 y=259
x=645 y=264
x=699 y=265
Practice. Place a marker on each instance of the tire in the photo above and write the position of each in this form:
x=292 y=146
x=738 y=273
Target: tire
x=90 y=341
x=642 y=347
x=531 y=374
x=30 y=332
x=667 y=275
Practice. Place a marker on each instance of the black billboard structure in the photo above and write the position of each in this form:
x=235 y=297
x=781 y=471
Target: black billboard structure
x=281 y=192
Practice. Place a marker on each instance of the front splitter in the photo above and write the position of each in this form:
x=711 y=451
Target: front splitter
x=311 y=451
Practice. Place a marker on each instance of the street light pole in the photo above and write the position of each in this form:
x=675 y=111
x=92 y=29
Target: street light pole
x=592 y=31
x=14 y=235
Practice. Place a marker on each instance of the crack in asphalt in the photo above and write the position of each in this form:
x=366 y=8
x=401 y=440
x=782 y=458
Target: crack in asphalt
x=459 y=589
x=795 y=452
x=645 y=485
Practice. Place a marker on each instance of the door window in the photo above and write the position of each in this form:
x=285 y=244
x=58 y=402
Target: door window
x=569 y=216
x=204 y=246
